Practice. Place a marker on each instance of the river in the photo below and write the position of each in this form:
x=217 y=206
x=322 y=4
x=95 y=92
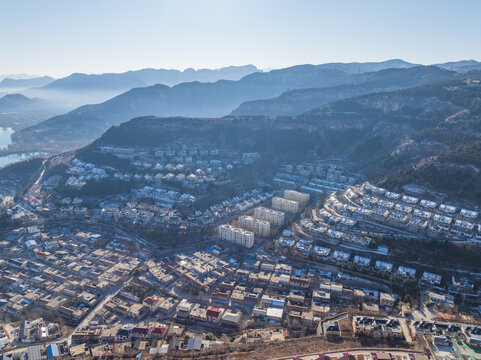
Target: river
x=5 y=140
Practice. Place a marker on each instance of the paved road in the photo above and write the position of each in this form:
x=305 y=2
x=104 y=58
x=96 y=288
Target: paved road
x=42 y=173
x=86 y=320
x=405 y=329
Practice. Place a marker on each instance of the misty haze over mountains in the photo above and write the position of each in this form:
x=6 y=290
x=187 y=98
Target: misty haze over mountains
x=220 y=98
x=18 y=76
x=234 y=90
x=53 y=97
x=9 y=83
x=77 y=88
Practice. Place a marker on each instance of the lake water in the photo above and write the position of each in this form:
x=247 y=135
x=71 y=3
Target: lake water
x=5 y=140
x=5 y=137
x=14 y=158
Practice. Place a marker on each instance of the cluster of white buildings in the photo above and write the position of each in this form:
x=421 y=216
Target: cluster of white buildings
x=292 y=201
x=263 y=219
x=164 y=196
x=333 y=235
x=316 y=179
x=191 y=165
x=81 y=172
x=408 y=212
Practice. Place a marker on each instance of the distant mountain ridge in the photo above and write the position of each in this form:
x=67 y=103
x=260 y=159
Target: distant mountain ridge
x=18 y=76
x=7 y=82
x=363 y=67
x=78 y=89
x=298 y=101
x=461 y=66
x=212 y=99
x=145 y=77
x=172 y=77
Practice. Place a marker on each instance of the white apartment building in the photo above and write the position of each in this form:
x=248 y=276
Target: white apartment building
x=276 y=218
x=282 y=204
x=301 y=198
x=257 y=226
x=236 y=235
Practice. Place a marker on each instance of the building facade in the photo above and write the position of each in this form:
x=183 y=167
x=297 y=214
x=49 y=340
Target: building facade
x=257 y=226
x=285 y=205
x=236 y=235
x=301 y=198
x=275 y=218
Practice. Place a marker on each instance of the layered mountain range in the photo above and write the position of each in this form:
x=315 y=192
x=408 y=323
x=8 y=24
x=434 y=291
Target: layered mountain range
x=218 y=99
x=409 y=124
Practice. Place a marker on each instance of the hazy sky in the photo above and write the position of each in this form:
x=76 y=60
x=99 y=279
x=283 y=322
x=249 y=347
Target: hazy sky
x=58 y=37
